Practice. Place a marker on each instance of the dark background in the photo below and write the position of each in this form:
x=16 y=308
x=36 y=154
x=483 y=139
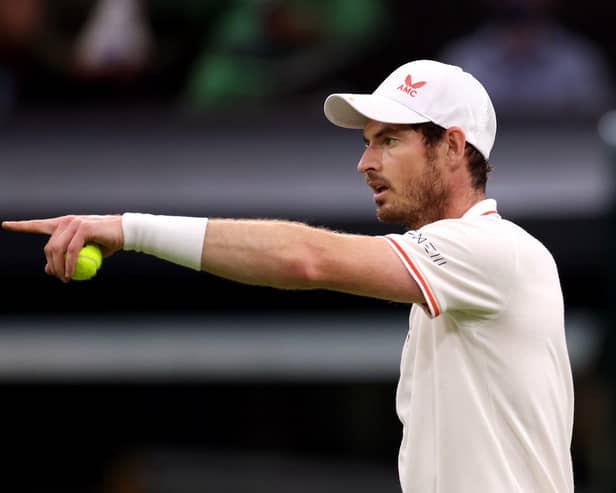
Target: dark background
x=155 y=378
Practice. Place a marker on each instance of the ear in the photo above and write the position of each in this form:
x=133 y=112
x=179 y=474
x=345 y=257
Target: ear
x=456 y=142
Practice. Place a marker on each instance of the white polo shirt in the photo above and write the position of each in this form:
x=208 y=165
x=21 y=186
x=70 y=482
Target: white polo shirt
x=485 y=393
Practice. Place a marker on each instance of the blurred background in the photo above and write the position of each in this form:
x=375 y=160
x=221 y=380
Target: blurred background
x=156 y=379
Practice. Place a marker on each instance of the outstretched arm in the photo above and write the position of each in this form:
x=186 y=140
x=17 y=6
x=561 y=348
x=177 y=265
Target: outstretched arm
x=292 y=255
x=281 y=254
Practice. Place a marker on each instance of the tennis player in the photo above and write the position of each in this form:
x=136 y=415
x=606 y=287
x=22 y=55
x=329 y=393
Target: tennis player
x=485 y=392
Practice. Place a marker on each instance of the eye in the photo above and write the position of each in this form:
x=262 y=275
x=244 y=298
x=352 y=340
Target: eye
x=389 y=141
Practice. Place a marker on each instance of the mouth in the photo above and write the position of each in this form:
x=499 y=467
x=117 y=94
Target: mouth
x=379 y=192
x=379 y=195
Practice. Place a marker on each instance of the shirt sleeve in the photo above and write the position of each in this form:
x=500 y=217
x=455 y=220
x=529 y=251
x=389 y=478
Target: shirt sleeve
x=460 y=266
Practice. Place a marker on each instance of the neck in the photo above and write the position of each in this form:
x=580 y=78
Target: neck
x=458 y=207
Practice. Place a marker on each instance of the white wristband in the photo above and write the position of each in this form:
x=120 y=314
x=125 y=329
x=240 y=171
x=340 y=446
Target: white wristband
x=177 y=239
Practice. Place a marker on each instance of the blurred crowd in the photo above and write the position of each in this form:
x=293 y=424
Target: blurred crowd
x=195 y=52
x=204 y=54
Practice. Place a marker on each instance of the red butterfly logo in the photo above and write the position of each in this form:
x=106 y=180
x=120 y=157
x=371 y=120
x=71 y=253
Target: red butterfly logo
x=409 y=82
x=409 y=87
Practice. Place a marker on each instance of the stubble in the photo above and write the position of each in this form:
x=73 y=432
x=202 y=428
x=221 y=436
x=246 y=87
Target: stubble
x=423 y=199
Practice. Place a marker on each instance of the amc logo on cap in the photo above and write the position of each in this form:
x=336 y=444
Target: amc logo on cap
x=410 y=87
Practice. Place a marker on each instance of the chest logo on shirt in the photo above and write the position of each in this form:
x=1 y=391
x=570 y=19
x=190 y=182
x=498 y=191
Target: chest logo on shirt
x=428 y=247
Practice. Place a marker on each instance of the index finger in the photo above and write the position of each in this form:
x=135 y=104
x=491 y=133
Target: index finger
x=43 y=226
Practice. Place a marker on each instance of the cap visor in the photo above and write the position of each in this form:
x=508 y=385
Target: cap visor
x=354 y=110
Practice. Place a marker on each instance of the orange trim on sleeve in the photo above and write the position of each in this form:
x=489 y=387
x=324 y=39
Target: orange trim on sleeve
x=489 y=212
x=424 y=285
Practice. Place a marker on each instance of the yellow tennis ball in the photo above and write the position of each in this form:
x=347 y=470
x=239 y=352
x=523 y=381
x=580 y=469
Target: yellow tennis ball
x=88 y=263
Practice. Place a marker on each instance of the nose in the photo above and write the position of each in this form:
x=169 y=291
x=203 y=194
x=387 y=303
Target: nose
x=369 y=160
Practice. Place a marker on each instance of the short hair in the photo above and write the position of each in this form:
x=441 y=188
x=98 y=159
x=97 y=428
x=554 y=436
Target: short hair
x=478 y=165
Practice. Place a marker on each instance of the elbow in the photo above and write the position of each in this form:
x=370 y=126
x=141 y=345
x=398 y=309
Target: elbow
x=307 y=270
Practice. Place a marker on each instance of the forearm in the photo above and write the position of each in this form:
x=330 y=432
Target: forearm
x=272 y=253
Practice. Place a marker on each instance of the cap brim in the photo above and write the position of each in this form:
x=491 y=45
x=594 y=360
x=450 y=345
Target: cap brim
x=354 y=110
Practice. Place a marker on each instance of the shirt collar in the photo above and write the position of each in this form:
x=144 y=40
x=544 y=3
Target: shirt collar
x=482 y=208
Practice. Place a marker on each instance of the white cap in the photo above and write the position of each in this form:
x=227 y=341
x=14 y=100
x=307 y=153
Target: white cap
x=418 y=92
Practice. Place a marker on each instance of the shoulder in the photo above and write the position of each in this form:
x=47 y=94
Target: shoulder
x=476 y=232
x=529 y=249
x=466 y=264
x=490 y=241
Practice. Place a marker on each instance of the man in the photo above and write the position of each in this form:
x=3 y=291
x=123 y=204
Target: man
x=485 y=392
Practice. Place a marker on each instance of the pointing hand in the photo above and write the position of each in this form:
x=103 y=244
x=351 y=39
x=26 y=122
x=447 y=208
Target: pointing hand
x=68 y=234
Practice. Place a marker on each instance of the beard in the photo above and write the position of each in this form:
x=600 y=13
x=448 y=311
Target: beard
x=422 y=201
